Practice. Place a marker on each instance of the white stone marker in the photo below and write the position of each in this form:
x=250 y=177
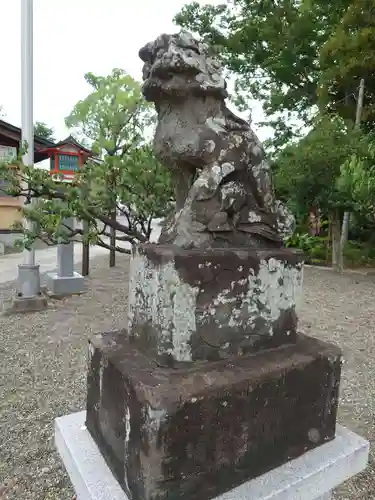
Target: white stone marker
x=65 y=281
x=312 y=476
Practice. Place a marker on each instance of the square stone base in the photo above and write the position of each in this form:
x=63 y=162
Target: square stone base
x=64 y=286
x=310 y=477
x=19 y=305
x=196 y=432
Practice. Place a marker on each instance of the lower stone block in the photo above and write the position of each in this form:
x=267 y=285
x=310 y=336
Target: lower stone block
x=310 y=477
x=193 y=433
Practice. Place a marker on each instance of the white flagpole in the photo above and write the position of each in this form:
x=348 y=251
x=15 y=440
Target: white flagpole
x=27 y=96
x=28 y=297
x=28 y=272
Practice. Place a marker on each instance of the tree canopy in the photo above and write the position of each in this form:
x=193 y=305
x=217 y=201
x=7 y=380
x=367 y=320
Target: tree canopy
x=124 y=176
x=41 y=129
x=304 y=60
x=293 y=55
x=345 y=58
x=113 y=116
x=309 y=172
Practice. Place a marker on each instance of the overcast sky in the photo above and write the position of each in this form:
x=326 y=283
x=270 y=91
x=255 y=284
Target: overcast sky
x=72 y=37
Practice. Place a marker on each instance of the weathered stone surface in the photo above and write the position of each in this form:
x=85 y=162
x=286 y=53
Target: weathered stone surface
x=194 y=433
x=186 y=305
x=217 y=160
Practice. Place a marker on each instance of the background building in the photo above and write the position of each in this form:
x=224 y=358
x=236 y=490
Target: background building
x=10 y=206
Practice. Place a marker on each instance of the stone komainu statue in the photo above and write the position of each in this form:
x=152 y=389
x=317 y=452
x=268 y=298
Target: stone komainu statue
x=211 y=384
x=224 y=192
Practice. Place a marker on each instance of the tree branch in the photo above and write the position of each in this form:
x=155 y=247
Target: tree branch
x=126 y=214
x=123 y=229
x=120 y=238
x=102 y=244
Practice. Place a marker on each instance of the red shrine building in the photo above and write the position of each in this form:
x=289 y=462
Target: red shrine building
x=66 y=158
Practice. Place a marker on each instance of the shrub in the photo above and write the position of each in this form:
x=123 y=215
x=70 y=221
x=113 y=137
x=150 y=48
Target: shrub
x=314 y=247
x=318 y=251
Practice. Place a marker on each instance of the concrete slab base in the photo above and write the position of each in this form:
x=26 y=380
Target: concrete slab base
x=62 y=286
x=312 y=476
x=19 y=305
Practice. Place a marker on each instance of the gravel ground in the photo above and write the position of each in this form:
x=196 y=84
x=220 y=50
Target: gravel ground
x=43 y=375
x=43 y=371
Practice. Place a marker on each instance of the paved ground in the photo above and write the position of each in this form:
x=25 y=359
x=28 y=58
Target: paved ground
x=46 y=258
x=43 y=370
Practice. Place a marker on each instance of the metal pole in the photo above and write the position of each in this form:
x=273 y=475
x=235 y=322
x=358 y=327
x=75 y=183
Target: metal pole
x=28 y=273
x=29 y=297
x=27 y=96
x=346 y=217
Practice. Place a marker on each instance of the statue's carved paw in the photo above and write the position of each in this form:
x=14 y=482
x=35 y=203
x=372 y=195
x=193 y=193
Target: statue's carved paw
x=209 y=180
x=219 y=222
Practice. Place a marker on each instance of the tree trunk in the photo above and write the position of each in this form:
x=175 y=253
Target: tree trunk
x=113 y=216
x=346 y=219
x=85 y=230
x=336 y=238
x=85 y=252
x=329 y=240
x=343 y=240
x=112 y=242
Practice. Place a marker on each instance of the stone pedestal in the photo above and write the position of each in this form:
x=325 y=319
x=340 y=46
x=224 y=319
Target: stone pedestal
x=195 y=432
x=28 y=292
x=189 y=305
x=28 y=281
x=19 y=305
x=312 y=476
x=65 y=281
x=62 y=286
x=211 y=385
